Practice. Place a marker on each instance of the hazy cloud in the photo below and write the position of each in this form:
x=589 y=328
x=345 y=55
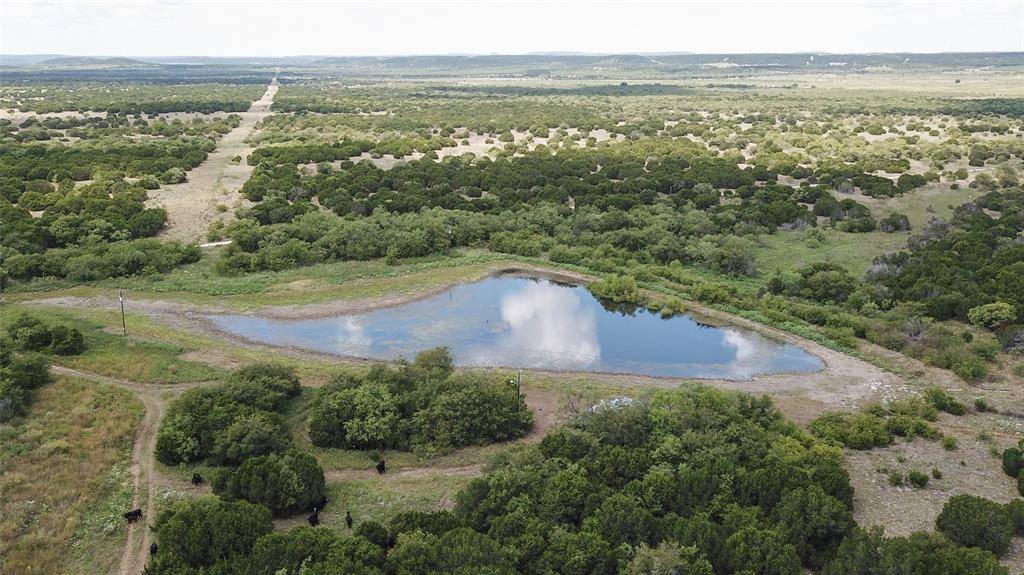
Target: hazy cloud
x=231 y=28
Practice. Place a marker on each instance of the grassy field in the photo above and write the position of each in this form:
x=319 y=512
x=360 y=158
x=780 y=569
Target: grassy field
x=64 y=480
x=199 y=283
x=789 y=251
x=151 y=354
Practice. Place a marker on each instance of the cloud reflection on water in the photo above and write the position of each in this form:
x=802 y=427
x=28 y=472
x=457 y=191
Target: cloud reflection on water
x=521 y=322
x=754 y=353
x=547 y=326
x=352 y=336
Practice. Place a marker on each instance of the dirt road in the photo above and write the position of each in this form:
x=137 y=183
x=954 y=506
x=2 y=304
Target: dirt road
x=192 y=206
x=136 y=551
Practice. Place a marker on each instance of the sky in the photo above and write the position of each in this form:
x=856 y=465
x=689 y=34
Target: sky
x=260 y=28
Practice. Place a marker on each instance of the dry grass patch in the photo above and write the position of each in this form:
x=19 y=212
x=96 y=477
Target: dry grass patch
x=65 y=480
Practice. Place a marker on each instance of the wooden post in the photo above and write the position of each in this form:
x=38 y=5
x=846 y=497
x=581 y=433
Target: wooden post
x=124 y=326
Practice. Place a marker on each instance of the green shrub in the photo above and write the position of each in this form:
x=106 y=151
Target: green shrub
x=866 y=431
x=1015 y=510
x=944 y=401
x=197 y=533
x=1013 y=461
x=32 y=334
x=19 y=376
x=228 y=422
x=870 y=553
x=992 y=315
x=250 y=435
x=374 y=533
x=291 y=551
x=423 y=405
x=976 y=522
x=619 y=289
x=284 y=483
x=468 y=410
x=917 y=479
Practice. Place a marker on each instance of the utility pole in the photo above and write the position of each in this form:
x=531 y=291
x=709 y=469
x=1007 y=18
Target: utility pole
x=124 y=326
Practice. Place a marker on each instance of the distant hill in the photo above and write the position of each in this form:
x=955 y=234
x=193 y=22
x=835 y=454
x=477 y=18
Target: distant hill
x=643 y=66
x=25 y=59
x=81 y=61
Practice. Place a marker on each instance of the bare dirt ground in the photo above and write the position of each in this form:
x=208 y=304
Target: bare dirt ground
x=477 y=145
x=192 y=206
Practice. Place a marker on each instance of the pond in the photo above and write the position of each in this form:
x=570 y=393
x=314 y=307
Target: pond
x=514 y=320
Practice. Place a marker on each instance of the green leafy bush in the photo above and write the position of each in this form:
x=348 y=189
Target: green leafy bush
x=944 y=401
x=870 y=553
x=229 y=422
x=1015 y=510
x=992 y=315
x=618 y=289
x=1013 y=461
x=285 y=483
x=199 y=533
x=917 y=478
x=20 y=374
x=420 y=405
x=976 y=522
x=32 y=334
x=857 y=430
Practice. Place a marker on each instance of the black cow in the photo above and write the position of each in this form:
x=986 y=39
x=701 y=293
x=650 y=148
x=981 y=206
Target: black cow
x=196 y=479
x=314 y=517
x=152 y=548
x=320 y=503
x=348 y=519
x=133 y=515
x=381 y=466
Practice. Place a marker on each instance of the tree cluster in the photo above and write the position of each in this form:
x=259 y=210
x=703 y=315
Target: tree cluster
x=695 y=480
x=420 y=405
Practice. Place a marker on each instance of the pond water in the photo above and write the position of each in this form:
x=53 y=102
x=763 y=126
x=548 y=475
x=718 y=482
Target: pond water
x=532 y=322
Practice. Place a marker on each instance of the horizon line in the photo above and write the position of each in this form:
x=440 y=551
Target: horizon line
x=534 y=53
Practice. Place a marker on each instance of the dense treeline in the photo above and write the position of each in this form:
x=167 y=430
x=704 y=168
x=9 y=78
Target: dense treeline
x=131 y=97
x=695 y=480
x=613 y=201
x=95 y=229
x=95 y=127
x=421 y=405
x=102 y=260
x=80 y=161
x=973 y=260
